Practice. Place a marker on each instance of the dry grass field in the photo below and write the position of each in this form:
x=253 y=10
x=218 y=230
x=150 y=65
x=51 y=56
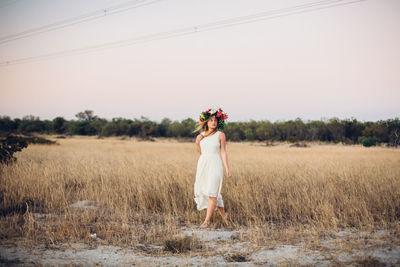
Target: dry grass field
x=137 y=194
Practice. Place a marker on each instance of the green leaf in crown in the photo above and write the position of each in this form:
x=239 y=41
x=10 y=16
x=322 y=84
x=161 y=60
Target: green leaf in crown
x=219 y=114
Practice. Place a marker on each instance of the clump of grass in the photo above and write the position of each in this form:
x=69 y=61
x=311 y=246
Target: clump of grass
x=21 y=206
x=181 y=244
x=7 y=262
x=236 y=257
x=369 y=262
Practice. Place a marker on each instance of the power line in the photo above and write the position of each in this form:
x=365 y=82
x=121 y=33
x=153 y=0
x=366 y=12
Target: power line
x=78 y=19
x=9 y=3
x=190 y=30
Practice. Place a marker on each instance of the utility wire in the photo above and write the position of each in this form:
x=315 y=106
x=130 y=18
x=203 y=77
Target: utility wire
x=8 y=3
x=78 y=19
x=190 y=30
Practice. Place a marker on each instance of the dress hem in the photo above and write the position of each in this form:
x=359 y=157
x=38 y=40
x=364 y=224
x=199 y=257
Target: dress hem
x=202 y=202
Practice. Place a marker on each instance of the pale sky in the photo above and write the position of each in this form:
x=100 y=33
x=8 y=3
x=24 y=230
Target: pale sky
x=342 y=61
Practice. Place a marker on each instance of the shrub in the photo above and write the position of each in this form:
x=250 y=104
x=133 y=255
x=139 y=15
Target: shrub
x=292 y=139
x=38 y=140
x=182 y=244
x=9 y=145
x=370 y=141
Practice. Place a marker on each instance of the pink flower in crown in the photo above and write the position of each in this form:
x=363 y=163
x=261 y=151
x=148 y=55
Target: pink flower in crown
x=213 y=110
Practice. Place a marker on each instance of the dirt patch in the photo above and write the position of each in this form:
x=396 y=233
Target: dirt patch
x=199 y=247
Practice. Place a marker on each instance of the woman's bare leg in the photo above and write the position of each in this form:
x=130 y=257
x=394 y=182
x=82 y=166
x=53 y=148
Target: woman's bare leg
x=223 y=214
x=212 y=203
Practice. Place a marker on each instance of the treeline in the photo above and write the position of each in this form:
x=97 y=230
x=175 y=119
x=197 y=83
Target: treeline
x=348 y=131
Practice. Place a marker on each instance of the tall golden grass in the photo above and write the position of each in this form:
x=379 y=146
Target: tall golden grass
x=144 y=190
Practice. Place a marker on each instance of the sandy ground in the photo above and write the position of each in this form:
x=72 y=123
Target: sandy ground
x=214 y=247
x=220 y=248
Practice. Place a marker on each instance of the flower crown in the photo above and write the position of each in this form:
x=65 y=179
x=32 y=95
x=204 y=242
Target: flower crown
x=219 y=115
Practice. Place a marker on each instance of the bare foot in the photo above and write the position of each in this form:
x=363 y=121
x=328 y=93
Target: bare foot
x=225 y=218
x=205 y=225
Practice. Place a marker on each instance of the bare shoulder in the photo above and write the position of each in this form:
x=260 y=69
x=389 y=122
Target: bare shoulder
x=222 y=135
x=199 y=137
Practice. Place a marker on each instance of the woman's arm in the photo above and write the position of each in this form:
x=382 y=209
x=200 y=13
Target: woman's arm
x=198 y=139
x=223 y=153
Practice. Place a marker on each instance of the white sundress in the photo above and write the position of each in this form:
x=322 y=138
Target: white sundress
x=209 y=173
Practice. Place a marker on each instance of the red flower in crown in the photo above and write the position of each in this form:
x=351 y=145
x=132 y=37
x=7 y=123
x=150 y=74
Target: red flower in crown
x=205 y=115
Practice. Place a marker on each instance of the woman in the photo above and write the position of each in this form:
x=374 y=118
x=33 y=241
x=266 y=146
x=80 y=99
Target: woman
x=211 y=144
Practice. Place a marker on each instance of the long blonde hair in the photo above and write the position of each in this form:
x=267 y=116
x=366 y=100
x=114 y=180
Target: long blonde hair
x=203 y=126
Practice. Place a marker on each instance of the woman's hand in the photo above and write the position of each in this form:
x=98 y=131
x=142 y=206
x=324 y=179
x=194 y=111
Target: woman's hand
x=198 y=139
x=228 y=173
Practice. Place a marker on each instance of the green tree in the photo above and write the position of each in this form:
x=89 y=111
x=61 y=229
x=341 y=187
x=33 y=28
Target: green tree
x=336 y=130
x=59 y=125
x=134 y=128
x=163 y=127
x=188 y=125
x=148 y=128
x=264 y=131
x=249 y=134
x=352 y=129
x=109 y=129
x=7 y=125
x=86 y=115
x=30 y=124
x=176 y=129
